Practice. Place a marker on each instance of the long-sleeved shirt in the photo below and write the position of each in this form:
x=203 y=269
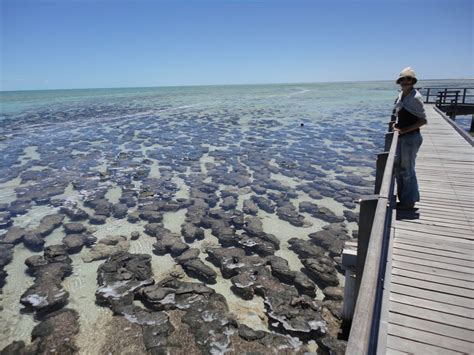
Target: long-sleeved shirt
x=413 y=103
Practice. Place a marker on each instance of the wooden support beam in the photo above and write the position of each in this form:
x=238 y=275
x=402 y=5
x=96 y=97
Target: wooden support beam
x=388 y=140
x=349 y=262
x=380 y=169
x=368 y=205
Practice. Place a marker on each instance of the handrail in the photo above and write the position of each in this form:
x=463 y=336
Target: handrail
x=364 y=330
x=441 y=92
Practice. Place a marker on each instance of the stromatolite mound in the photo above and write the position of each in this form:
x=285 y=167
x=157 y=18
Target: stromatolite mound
x=5 y=219
x=105 y=247
x=282 y=271
x=74 y=213
x=250 y=207
x=332 y=238
x=6 y=255
x=171 y=293
x=296 y=314
x=305 y=249
x=195 y=267
x=54 y=334
x=13 y=235
x=47 y=294
x=49 y=223
x=290 y=311
x=74 y=242
x=33 y=241
x=264 y=203
x=332 y=345
x=322 y=271
x=74 y=228
x=190 y=232
x=288 y=212
x=166 y=241
x=206 y=312
x=120 y=276
x=320 y=212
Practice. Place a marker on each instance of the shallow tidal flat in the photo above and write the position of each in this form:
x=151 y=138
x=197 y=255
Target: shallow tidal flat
x=193 y=222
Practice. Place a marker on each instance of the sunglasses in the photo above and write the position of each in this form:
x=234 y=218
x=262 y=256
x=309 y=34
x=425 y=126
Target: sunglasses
x=406 y=78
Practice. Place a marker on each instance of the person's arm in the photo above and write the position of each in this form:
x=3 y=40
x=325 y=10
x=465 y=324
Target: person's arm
x=416 y=125
x=418 y=108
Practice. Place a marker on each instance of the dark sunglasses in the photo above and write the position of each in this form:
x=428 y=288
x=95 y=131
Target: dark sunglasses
x=406 y=78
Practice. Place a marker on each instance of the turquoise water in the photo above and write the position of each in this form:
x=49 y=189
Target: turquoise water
x=289 y=143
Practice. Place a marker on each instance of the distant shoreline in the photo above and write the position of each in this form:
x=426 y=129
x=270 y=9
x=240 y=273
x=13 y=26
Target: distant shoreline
x=222 y=85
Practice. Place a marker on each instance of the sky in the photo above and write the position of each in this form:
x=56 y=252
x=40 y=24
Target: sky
x=60 y=44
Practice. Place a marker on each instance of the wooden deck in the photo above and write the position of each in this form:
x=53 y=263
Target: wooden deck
x=428 y=296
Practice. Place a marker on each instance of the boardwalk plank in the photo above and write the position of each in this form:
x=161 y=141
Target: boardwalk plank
x=433 y=270
x=433 y=327
x=442 y=223
x=432 y=251
x=425 y=215
x=435 y=264
x=433 y=278
x=433 y=286
x=430 y=338
x=442 y=308
x=414 y=347
x=451 y=247
x=450 y=232
x=448 y=212
x=435 y=237
x=437 y=258
x=461 y=238
x=434 y=296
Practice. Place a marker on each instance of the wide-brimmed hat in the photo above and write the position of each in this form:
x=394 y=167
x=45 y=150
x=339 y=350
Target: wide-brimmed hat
x=407 y=73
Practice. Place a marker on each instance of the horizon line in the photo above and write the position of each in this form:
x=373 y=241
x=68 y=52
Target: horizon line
x=243 y=84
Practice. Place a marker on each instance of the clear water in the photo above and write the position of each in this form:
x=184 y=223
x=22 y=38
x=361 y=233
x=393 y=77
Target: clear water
x=68 y=137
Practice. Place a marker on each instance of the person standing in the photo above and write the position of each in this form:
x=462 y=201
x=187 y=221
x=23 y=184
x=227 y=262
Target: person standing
x=410 y=112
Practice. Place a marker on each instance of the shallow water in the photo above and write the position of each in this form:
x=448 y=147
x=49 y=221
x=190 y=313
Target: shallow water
x=73 y=145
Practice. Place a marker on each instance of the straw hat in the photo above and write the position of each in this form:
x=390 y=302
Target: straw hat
x=407 y=72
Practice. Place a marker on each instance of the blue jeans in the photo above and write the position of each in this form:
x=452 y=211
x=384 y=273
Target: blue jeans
x=407 y=185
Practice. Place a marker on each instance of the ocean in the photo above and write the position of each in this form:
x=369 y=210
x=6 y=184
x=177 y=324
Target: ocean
x=264 y=177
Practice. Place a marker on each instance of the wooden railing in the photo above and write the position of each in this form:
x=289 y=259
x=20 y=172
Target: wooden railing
x=440 y=96
x=452 y=101
x=372 y=246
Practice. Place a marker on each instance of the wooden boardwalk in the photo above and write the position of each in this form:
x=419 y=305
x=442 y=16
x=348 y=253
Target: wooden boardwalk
x=428 y=296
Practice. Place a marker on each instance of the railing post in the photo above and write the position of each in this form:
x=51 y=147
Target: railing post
x=427 y=95
x=379 y=170
x=464 y=96
x=368 y=205
x=393 y=118
x=454 y=106
x=349 y=262
x=472 y=124
x=388 y=140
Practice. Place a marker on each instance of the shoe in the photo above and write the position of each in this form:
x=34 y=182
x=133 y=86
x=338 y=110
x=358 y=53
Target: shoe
x=401 y=207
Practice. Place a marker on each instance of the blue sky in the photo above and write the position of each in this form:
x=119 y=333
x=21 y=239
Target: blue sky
x=50 y=44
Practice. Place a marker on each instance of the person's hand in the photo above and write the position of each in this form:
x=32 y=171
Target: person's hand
x=399 y=130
